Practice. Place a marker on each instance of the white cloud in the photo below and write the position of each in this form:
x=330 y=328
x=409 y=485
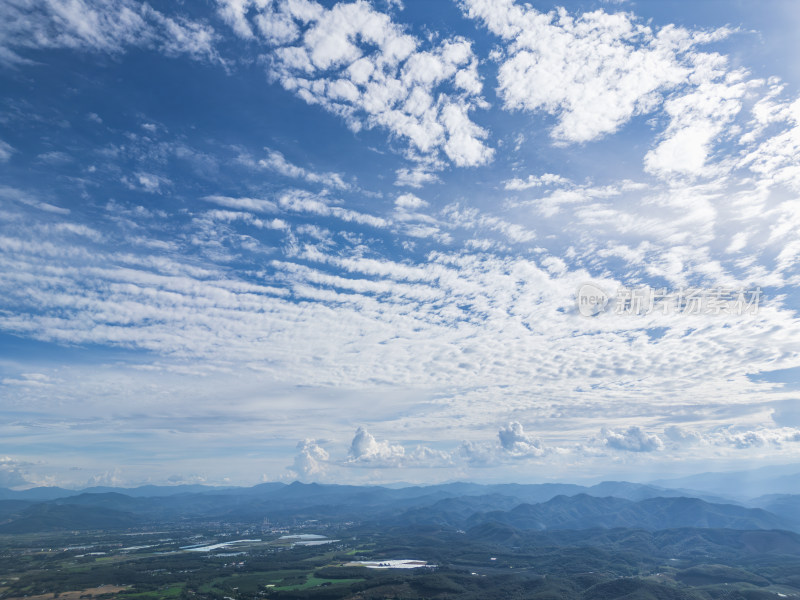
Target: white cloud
x=112 y=477
x=356 y=63
x=472 y=218
x=74 y=229
x=697 y=119
x=311 y=460
x=12 y=473
x=681 y=435
x=409 y=202
x=301 y=201
x=755 y=438
x=739 y=437
x=6 y=150
x=512 y=444
x=28 y=379
x=17 y=195
x=423 y=456
x=534 y=181
x=55 y=157
x=775 y=159
x=433 y=322
x=183 y=36
x=98 y=25
x=366 y=449
x=410 y=219
x=230 y=216
x=515 y=442
x=477 y=453
x=594 y=71
x=254 y=204
x=464 y=145
x=275 y=161
x=415 y=178
x=188 y=479
x=149 y=182
x=632 y=439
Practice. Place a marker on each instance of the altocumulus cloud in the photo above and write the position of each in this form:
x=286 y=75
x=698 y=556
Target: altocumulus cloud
x=594 y=71
x=735 y=437
x=356 y=63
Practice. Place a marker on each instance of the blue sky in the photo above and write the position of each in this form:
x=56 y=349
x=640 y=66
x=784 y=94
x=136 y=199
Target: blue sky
x=257 y=240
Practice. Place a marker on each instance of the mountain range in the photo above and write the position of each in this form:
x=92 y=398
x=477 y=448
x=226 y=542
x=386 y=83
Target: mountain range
x=459 y=506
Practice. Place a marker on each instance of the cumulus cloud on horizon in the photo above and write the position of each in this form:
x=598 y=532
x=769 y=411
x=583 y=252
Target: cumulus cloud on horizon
x=516 y=442
x=12 y=473
x=632 y=439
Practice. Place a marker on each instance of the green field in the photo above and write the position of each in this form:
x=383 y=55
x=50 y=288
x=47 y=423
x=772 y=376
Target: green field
x=165 y=594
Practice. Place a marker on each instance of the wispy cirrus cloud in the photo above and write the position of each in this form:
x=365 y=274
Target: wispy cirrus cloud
x=99 y=26
x=6 y=150
x=275 y=161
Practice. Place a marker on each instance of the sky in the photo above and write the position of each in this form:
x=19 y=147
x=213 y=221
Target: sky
x=397 y=241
